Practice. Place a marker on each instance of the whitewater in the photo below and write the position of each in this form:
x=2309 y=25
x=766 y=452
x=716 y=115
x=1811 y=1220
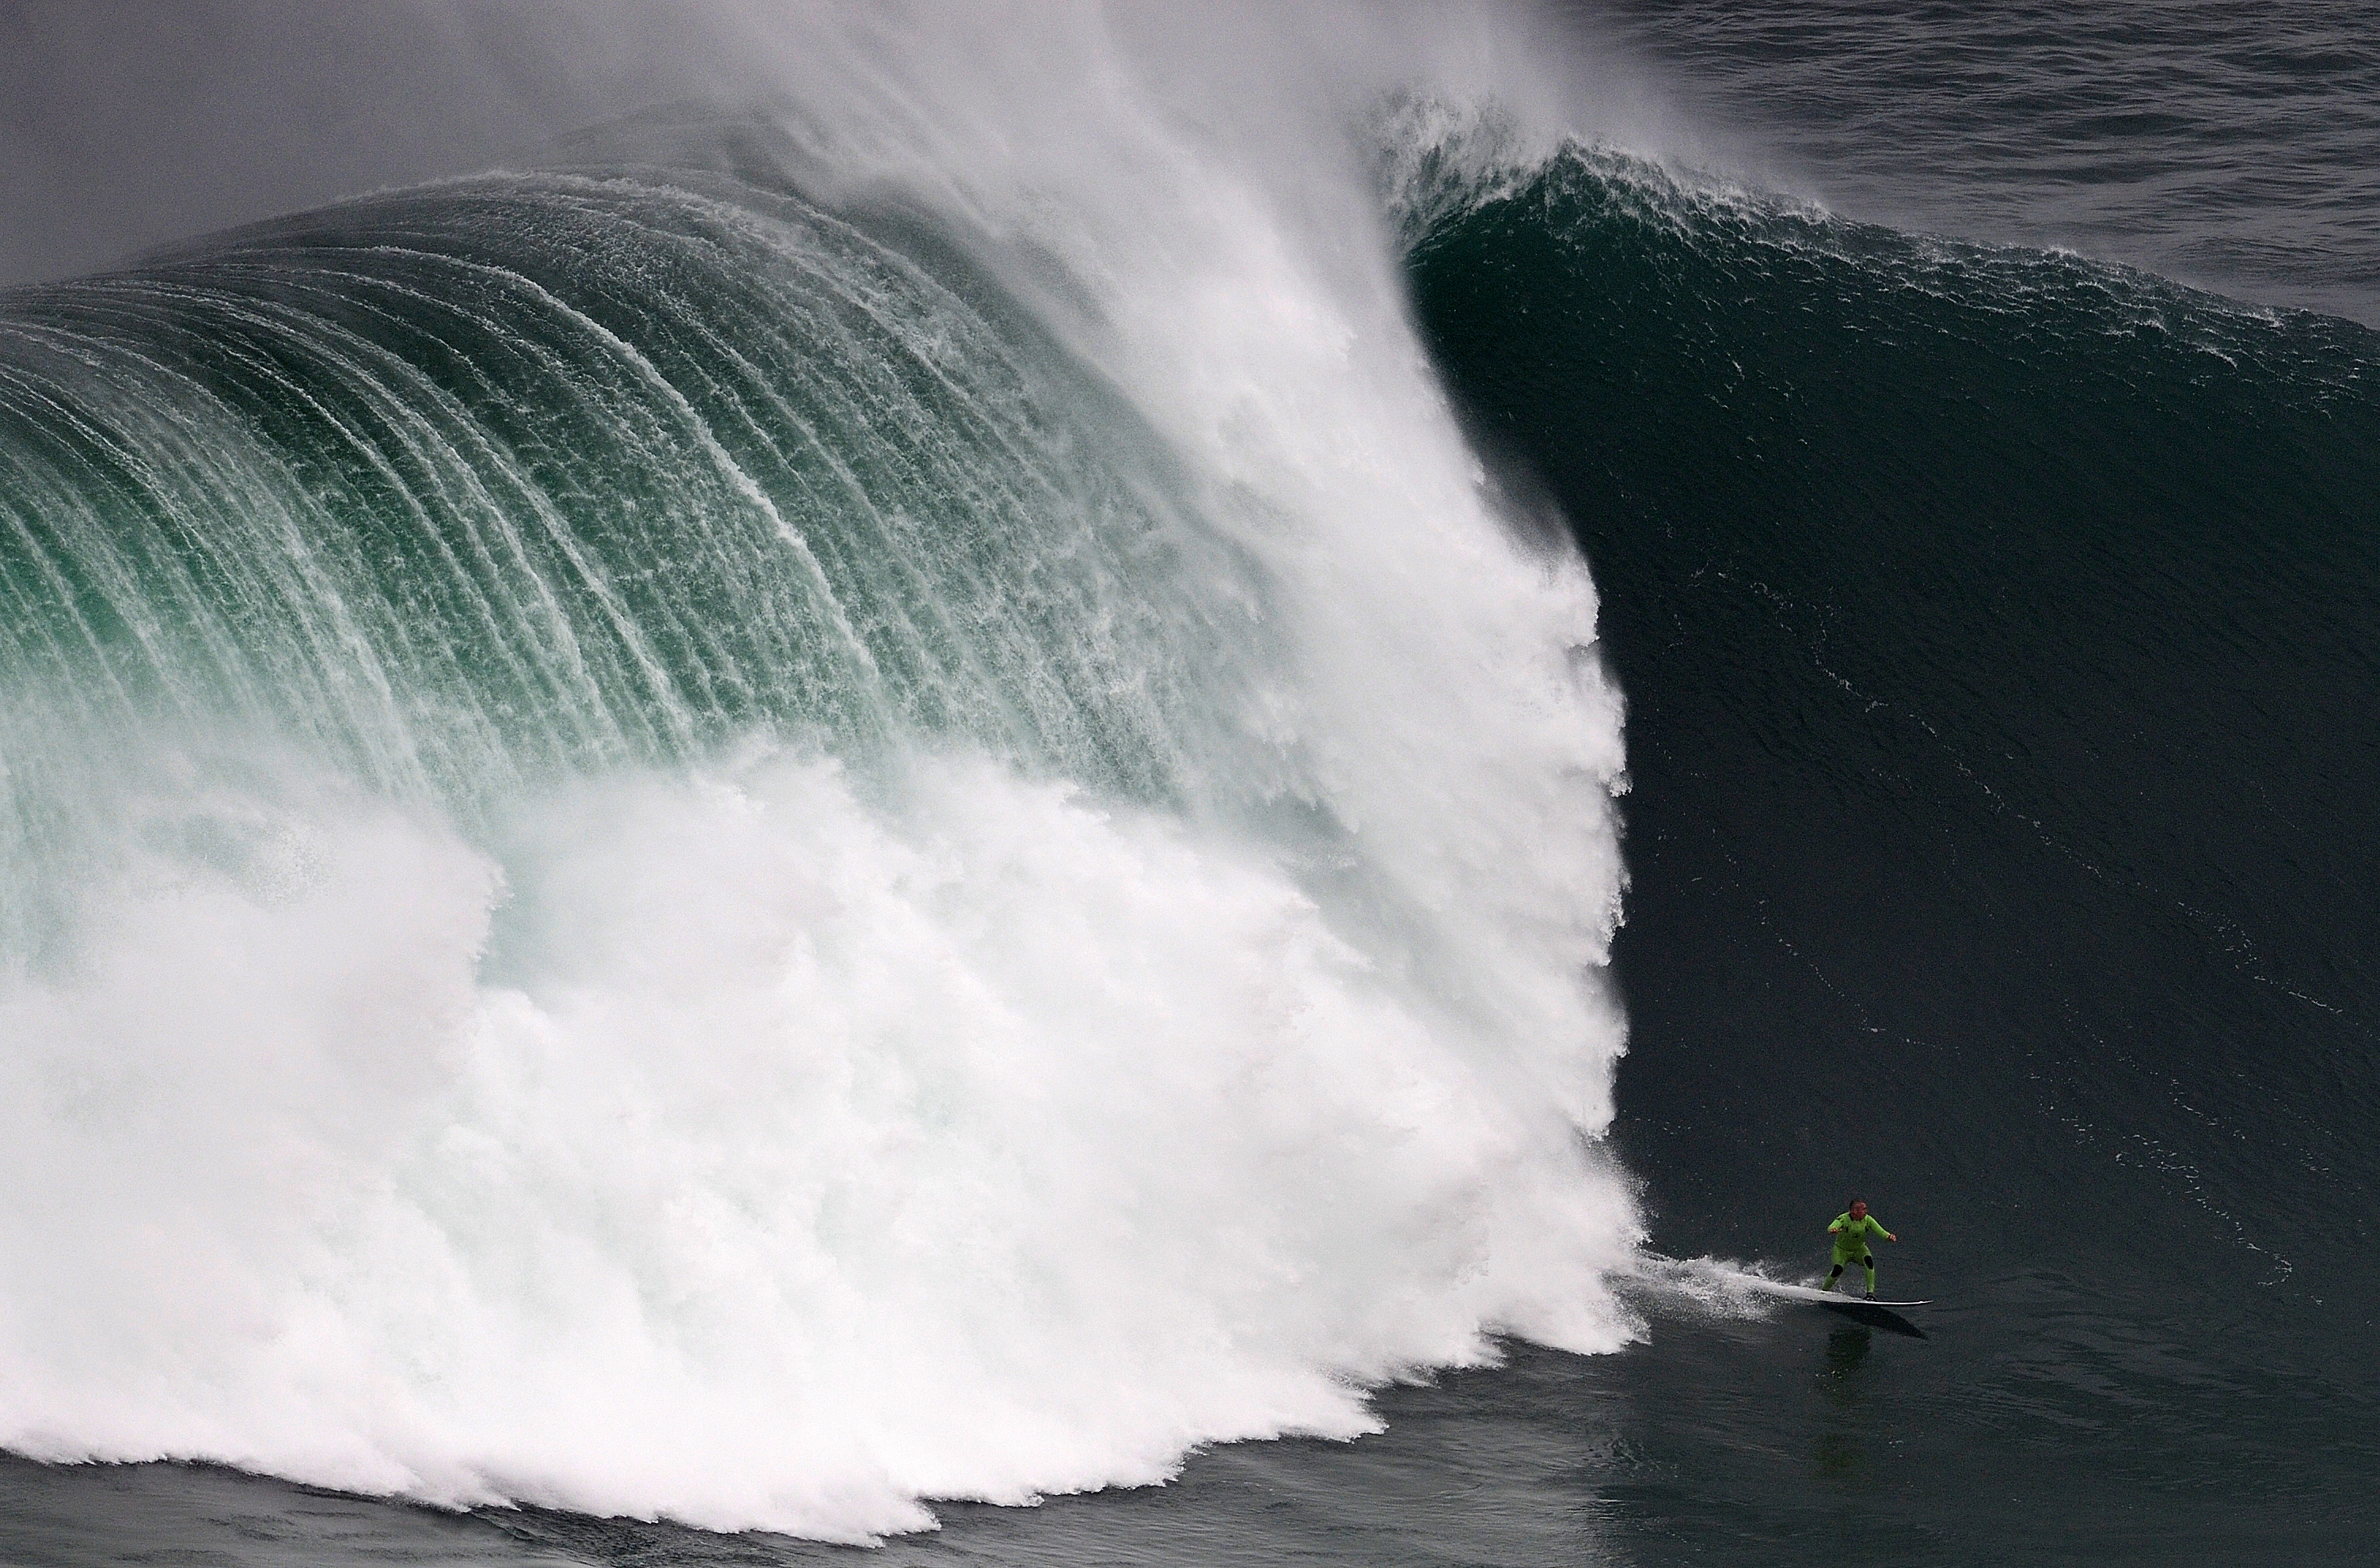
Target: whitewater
x=794 y=814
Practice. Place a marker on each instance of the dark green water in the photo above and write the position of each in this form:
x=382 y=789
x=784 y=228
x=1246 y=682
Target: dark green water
x=1999 y=640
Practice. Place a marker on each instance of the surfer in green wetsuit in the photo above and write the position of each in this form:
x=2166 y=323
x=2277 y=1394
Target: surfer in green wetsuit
x=1851 y=1231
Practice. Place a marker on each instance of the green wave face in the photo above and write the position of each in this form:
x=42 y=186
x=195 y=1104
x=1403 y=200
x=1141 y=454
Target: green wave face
x=542 y=471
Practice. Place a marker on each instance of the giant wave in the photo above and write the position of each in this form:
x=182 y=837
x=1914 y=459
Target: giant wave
x=760 y=827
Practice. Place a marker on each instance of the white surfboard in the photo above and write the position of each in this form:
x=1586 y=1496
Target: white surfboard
x=1810 y=1293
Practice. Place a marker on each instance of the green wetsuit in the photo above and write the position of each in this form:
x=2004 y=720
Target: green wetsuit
x=1850 y=1244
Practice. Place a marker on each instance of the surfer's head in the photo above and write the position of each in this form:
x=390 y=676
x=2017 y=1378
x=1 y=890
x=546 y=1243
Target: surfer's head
x=1859 y=1208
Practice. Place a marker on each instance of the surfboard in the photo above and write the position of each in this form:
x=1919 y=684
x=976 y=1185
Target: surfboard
x=1811 y=1293
x=1858 y=1308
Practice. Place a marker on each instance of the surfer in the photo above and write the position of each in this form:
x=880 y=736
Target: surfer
x=1850 y=1230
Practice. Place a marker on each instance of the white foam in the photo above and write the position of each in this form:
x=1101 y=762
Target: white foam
x=797 y=1154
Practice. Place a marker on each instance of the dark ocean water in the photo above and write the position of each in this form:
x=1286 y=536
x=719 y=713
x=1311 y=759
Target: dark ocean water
x=1997 y=631
x=2230 y=148
x=1998 y=639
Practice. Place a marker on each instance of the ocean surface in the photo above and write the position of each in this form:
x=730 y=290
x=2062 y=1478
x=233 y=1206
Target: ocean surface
x=1128 y=794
